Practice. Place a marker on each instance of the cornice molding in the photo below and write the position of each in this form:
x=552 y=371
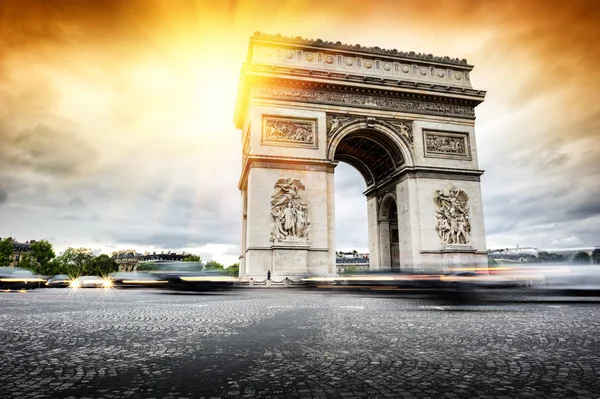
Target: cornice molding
x=339 y=46
x=424 y=172
x=273 y=162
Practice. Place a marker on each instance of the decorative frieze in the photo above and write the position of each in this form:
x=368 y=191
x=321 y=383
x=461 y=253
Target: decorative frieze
x=364 y=100
x=446 y=145
x=290 y=131
x=452 y=221
x=289 y=212
x=246 y=146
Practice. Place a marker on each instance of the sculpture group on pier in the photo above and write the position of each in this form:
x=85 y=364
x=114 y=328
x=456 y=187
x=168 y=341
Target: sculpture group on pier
x=289 y=211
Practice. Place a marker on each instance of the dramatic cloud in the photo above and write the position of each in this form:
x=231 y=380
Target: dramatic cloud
x=116 y=131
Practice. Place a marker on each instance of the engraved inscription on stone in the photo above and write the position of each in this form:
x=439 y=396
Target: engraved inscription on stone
x=286 y=130
x=289 y=212
x=446 y=144
x=452 y=221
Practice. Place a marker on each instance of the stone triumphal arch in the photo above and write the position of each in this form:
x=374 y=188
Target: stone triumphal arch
x=405 y=121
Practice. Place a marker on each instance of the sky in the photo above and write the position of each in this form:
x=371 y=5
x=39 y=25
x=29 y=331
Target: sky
x=116 y=118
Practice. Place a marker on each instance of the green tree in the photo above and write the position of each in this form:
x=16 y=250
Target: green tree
x=102 y=265
x=350 y=270
x=234 y=270
x=192 y=258
x=77 y=261
x=492 y=262
x=213 y=265
x=6 y=251
x=28 y=261
x=43 y=252
x=581 y=258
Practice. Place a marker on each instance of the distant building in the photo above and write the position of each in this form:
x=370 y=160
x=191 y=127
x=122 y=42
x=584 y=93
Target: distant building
x=168 y=256
x=127 y=259
x=19 y=249
x=351 y=262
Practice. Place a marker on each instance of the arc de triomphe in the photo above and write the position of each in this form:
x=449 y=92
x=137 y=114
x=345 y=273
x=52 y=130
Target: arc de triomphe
x=405 y=121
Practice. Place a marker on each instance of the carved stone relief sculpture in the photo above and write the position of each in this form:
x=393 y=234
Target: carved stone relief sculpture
x=452 y=223
x=405 y=129
x=289 y=212
x=446 y=144
x=289 y=130
x=336 y=122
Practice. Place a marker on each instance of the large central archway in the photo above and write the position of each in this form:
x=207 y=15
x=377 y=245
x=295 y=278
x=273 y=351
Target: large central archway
x=379 y=159
x=404 y=121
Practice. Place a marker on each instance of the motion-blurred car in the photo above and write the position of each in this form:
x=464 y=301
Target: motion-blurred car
x=16 y=279
x=198 y=281
x=465 y=280
x=90 y=282
x=136 y=279
x=58 y=281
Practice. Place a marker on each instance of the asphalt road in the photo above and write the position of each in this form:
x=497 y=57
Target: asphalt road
x=273 y=343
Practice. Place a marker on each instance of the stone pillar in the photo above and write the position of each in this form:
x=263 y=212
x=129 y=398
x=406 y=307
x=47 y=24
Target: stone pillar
x=384 y=245
x=242 y=259
x=331 y=268
x=373 y=226
x=407 y=208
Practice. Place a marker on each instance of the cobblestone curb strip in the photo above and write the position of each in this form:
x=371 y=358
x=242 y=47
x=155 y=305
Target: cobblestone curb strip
x=98 y=343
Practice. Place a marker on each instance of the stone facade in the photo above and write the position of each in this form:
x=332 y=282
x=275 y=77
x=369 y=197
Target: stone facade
x=404 y=121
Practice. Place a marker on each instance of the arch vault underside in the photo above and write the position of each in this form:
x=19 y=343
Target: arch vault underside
x=406 y=123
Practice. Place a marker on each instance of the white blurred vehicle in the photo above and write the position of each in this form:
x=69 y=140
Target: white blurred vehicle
x=575 y=278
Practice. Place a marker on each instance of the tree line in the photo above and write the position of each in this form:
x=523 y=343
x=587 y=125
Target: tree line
x=75 y=262
x=232 y=270
x=41 y=259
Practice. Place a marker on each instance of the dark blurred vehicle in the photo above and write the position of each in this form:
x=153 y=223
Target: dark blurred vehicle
x=17 y=279
x=136 y=279
x=198 y=281
x=58 y=281
x=468 y=280
x=90 y=282
x=378 y=280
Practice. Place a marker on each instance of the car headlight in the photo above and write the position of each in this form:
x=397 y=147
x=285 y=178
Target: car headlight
x=107 y=284
x=74 y=284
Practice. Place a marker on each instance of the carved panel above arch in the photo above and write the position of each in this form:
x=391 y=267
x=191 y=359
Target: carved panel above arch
x=402 y=127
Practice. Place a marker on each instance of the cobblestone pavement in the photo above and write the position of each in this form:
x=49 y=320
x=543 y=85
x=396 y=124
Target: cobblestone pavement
x=288 y=343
